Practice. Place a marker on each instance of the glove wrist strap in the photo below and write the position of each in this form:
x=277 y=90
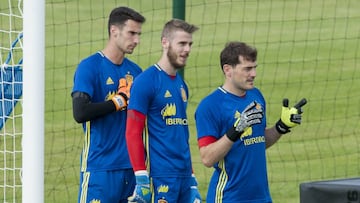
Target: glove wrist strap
x=232 y=134
x=124 y=95
x=142 y=177
x=120 y=102
x=141 y=173
x=281 y=127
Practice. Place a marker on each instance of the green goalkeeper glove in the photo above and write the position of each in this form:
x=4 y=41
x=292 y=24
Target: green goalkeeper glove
x=250 y=116
x=290 y=117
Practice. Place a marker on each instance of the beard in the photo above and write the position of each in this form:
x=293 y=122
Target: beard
x=173 y=59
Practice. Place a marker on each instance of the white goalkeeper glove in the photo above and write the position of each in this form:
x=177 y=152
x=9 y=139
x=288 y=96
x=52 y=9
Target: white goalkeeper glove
x=251 y=115
x=142 y=193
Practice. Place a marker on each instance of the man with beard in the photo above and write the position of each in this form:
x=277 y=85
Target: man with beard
x=159 y=96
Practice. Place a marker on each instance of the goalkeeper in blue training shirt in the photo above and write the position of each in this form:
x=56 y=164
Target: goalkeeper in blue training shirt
x=159 y=97
x=100 y=97
x=232 y=133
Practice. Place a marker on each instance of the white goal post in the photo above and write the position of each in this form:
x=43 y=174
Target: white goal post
x=22 y=62
x=33 y=101
x=22 y=59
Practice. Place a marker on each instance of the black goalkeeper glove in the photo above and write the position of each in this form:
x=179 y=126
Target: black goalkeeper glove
x=290 y=117
x=251 y=115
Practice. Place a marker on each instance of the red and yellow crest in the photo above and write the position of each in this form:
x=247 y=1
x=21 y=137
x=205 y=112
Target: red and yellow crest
x=183 y=94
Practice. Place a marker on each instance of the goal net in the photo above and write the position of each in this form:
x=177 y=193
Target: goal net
x=10 y=100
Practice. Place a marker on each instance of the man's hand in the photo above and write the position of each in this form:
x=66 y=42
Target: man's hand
x=195 y=195
x=142 y=193
x=124 y=88
x=290 y=117
x=251 y=115
x=122 y=97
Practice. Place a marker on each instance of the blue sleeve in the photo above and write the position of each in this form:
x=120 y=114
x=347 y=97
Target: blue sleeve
x=84 y=78
x=142 y=93
x=207 y=123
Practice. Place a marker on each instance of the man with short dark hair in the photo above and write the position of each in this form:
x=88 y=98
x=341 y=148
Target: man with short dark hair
x=100 y=97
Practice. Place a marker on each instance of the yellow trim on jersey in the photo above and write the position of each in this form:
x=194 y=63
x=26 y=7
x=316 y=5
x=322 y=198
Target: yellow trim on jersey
x=84 y=187
x=223 y=178
x=152 y=191
x=86 y=147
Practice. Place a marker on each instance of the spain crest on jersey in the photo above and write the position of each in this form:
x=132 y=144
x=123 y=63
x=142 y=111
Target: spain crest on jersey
x=183 y=94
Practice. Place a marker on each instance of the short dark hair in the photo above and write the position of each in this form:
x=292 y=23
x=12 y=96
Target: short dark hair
x=175 y=25
x=120 y=15
x=230 y=54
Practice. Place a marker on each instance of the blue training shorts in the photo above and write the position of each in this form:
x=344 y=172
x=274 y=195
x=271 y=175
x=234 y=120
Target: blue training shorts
x=174 y=189
x=106 y=186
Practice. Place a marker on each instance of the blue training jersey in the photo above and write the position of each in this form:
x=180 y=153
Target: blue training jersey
x=241 y=176
x=104 y=145
x=163 y=100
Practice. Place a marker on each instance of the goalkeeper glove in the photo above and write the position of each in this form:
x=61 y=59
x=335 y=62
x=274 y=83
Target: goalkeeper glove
x=290 y=117
x=124 y=88
x=142 y=193
x=121 y=98
x=194 y=193
x=251 y=115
